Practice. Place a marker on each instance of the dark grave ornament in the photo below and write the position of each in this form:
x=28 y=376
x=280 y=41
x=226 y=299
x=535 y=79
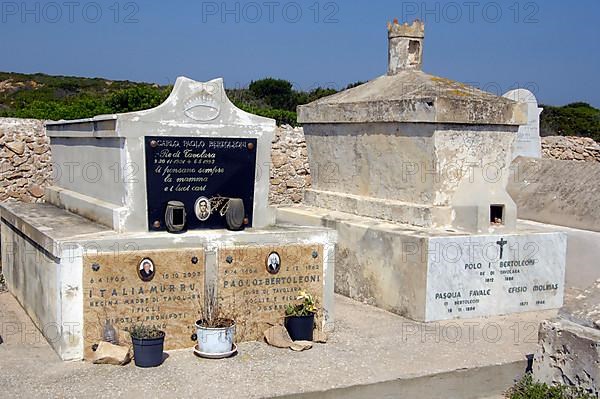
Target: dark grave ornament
x=175 y=216
x=202 y=173
x=235 y=214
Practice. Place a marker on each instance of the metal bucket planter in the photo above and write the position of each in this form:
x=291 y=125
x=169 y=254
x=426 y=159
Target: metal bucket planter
x=148 y=352
x=300 y=328
x=215 y=340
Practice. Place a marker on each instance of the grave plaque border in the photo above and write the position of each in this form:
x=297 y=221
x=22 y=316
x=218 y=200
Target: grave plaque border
x=229 y=166
x=113 y=291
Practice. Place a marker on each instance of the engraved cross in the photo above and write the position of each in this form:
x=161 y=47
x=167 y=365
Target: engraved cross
x=501 y=243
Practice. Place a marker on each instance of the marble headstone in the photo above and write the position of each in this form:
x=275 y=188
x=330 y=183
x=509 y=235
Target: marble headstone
x=474 y=276
x=528 y=143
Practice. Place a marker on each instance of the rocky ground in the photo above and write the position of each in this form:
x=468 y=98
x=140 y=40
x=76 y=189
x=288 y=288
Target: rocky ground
x=570 y=148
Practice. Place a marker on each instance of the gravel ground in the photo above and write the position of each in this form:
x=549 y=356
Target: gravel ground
x=368 y=346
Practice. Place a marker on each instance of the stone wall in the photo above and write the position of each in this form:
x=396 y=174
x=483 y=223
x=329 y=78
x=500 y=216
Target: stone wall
x=290 y=172
x=570 y=148
x=25 y=165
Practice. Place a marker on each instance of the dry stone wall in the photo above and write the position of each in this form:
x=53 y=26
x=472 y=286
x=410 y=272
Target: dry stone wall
x=290 y=172
x=25 y=164
x=570 y=148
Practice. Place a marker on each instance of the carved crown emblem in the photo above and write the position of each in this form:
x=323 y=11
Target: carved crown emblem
x=205 y=105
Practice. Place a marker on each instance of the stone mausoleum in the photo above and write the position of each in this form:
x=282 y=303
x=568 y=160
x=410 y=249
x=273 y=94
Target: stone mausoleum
x=411 y=169
x=150 y=212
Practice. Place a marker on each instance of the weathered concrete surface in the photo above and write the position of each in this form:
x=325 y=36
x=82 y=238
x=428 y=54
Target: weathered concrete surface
x=371 y=350
x=569 y=346
x=582 y=306
x=395 y=266
x=405 y=46
x=583 y=252
x=569 y=353
x=564 y=193
x=433 y=175
x=414 y=96
x=44 y=247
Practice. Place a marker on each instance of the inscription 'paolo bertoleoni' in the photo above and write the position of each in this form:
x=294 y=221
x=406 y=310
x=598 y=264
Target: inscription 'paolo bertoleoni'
x=272 y=281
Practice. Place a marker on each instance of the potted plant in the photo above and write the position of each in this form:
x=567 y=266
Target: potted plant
x=148 y=345
x=215 y=333
x=300 y=318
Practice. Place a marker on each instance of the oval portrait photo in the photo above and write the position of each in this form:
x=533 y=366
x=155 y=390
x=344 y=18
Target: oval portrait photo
x=273 y=263
x=202 y=209
x=146 y=269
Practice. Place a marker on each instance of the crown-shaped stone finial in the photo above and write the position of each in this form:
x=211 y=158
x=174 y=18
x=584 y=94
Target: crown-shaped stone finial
x=414 y=30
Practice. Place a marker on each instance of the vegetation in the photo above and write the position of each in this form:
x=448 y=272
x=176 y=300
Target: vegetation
x=306 y=307
x=42 y=96
x=577 y=119
x=212 y=315
x=62 y=97
x=527 y=388
x=142 y=331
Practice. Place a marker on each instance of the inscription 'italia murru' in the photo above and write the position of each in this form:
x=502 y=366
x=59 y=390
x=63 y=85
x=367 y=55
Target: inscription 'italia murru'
x=103 y=292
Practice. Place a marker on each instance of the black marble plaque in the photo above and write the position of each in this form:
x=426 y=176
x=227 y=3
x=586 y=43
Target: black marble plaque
x=203 y=173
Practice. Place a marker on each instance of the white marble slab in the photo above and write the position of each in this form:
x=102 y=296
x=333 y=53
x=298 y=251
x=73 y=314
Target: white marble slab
x=471 y=276
x=528 y=142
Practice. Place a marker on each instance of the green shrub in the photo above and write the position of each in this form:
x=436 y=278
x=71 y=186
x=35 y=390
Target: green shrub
x=141 y=331
x=277 y=93
x=306 y=307
x=527 y=388
x=137 y=98
x=576 y=119
x=283 y=117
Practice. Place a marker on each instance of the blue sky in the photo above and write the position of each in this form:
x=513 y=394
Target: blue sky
x=550 y=47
